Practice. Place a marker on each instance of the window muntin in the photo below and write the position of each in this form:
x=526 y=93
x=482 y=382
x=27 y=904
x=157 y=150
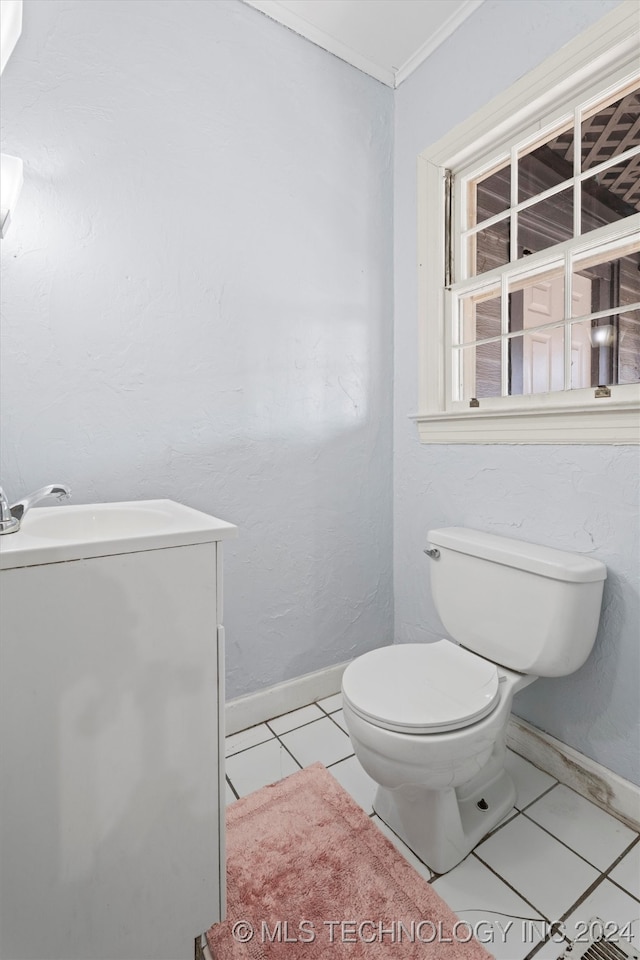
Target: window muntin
x=519 y=329
x=544 y=192
x=535 y=332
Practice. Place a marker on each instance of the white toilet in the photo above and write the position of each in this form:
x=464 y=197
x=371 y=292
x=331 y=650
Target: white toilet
x=428 y=720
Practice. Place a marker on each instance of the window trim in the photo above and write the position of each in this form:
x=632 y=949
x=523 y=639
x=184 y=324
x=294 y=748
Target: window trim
x=607 y=51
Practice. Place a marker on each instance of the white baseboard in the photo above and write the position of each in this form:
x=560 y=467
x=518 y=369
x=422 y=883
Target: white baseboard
x=257 y=707
x=606 y=789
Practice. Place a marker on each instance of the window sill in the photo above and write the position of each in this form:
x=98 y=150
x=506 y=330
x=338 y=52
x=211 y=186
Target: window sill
x=616 y=422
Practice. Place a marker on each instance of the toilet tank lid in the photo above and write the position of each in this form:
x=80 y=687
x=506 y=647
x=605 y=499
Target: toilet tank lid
x=545 y=561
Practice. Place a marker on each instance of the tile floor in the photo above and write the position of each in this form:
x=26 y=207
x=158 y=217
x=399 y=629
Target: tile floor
x=555 y=857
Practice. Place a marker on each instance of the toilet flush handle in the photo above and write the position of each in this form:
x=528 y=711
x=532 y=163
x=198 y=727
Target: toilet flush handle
x=432 y=552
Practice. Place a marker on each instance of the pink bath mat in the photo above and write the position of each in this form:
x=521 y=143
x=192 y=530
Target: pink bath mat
x=310 y=877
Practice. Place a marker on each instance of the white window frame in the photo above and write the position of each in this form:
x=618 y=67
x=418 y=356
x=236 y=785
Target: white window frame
x=605 y=55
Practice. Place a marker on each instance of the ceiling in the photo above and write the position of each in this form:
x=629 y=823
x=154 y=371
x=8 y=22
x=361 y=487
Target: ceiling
x=387 y=39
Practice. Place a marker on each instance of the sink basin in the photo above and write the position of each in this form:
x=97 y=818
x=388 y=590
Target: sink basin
x=95 y=522
x=81 y=531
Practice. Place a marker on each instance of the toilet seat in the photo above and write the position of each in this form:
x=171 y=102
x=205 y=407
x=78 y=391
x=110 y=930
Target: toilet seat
x=421 y=687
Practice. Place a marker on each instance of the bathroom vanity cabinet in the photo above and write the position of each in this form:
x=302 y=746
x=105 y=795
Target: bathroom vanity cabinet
x=112 y=792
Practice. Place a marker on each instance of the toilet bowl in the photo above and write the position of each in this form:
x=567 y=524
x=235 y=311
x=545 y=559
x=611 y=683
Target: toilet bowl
x=441 y=785
x=428 y=721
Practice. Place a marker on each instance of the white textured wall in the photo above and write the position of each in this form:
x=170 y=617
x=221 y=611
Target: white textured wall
x=197 y=302
x=574 y=498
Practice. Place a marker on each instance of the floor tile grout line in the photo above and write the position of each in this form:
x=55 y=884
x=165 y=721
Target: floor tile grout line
x=558 y=783
x=285 y=747
x=539 y=797
x=278 y=737
x=499 y=826
x=619 y=886
x=566 y=845
x=244 y=749
x=313 y=703
x=431 y=873
x=318 y=704
x=584 y=896
x=233 y=789
x=522 y=757
x=338 y=725
x=251 y=726
x=607 y=872
x=511 y=887
x=341 y=760
x=326 y=765
x=518 y=810
x=299 y=727
x=327 y=717
x=562 y=945
x=603 y=873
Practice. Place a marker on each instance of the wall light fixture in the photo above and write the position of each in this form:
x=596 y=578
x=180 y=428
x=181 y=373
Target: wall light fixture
x=10 y=28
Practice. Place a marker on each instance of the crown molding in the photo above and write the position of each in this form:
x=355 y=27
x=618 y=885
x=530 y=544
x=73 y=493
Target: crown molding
x=391 y=76
x=275 y=10
x=427 y=48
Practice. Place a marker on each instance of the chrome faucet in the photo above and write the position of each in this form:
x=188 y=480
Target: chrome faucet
x=11 y=516
x=8 y=524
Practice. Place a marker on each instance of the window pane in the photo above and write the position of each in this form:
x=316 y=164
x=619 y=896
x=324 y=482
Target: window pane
x=611 y=130
x=488 y=370
x=599 y=284
x=480 y=318
x=611 y=195
x=545 y=167
x=537 y=362
x=536 y=359
x=546 y=223
x=628 y=360
x=490 y=248
x=613 y=343
x=536 y=302
x=590 y=366
x=492 y=195
x=481 y=370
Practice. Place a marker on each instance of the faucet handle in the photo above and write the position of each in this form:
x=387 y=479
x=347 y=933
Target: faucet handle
x=8 y=523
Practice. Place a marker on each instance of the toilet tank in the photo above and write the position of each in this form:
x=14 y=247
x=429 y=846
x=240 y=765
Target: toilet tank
x=528 y=607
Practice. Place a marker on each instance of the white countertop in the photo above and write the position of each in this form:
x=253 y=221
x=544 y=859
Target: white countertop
x=81 y=531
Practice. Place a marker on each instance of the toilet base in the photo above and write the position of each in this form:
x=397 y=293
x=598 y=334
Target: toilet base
x=443 y=826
